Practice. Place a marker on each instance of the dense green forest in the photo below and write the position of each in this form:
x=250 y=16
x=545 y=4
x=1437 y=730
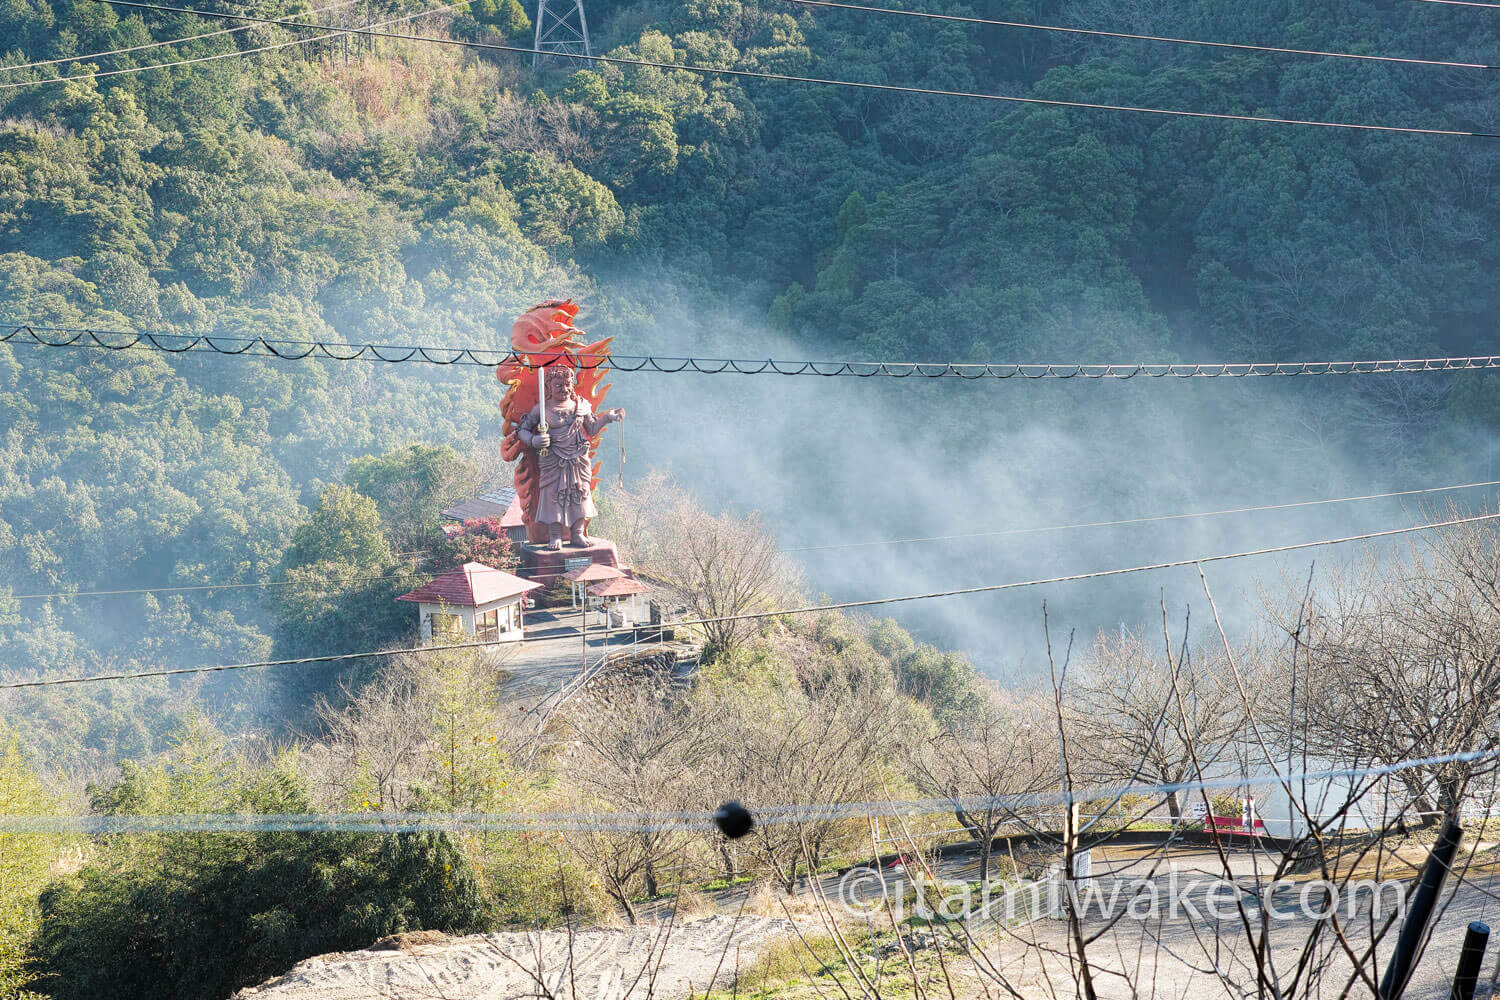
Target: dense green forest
x=399 y=192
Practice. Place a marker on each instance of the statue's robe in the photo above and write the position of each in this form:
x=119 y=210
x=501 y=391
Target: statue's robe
x=564 y=473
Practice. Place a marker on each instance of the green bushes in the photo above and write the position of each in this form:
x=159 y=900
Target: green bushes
x=209 y=914
x=24 y=865
x=199 y=915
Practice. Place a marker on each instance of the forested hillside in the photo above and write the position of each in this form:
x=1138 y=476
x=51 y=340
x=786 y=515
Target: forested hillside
x=358 y=189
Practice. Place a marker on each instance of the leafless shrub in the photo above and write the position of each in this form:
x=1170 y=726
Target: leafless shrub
x=515 y=125
x=543 y=128
x=1004 y=747
x=714 y=566
x=630 y=755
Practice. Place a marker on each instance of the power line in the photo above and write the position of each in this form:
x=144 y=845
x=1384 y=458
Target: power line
x=667 y=820
x=1064 y=797
x=778 y=613
x=163 y=65
x=1463 y=3
x=300 y=661
x=189 y=588
x=1145 y=520
x=821 y=81
x=152 y=45
x=328 y=31
x=67 y=594
x=1099 y=574
x=1144 y=38
x=297 y=350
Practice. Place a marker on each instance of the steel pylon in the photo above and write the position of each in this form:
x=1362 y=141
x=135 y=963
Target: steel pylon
x=561 y=29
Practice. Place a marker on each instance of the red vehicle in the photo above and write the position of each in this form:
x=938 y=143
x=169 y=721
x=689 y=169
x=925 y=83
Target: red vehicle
x=1235 y=825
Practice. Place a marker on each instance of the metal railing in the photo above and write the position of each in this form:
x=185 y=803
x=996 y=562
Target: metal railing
x=570 y=687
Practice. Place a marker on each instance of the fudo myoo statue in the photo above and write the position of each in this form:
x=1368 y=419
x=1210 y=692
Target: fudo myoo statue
x=562 y=428
x=555 y=472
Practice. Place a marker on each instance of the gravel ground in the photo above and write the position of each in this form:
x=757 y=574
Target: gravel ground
x=597 y=964
x=1179 y=955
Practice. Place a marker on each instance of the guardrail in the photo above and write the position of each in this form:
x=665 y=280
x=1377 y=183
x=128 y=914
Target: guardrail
x=568 y=688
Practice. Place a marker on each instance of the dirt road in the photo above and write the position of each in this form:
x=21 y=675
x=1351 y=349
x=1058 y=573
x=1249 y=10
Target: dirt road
x=665 y=962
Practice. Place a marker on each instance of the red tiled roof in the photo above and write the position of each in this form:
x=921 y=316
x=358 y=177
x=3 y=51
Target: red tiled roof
x=470 y=586
x=592 y=572
x=620 y=587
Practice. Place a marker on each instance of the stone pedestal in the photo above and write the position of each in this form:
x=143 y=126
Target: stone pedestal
x=542 y=565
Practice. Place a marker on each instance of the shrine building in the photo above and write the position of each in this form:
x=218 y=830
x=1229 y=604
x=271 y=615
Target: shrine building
x=474 y=601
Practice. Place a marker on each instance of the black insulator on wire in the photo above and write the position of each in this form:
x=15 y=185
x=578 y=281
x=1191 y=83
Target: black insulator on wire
x=734 y=820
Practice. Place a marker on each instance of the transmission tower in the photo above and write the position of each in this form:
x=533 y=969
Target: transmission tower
x=560 y=29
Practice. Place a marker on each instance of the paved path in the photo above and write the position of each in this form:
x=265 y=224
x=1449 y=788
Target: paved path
x=552 y=654
x=1185 y=949
x=1185 y=952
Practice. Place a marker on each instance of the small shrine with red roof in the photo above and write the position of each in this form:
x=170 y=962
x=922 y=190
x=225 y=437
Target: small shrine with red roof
x=616 y=591
x=475 y=601
x=625 y=599
x=589 y=573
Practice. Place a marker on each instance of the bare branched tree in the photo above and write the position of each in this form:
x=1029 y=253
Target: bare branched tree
x=1003 y=746
x=827 y=747
x=714 y=566
x=630 y=754
x=1124 y=712
x=725 y=566
x=1403 y=662
x=370 y=755
x=427 y=732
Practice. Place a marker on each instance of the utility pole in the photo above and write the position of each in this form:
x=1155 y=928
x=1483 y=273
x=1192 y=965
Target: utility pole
x=1469 y=960
x=561 y=29
x=1291 y=742
x=1419 y=912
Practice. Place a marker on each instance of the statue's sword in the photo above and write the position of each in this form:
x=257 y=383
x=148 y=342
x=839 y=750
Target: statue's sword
x=541 y=400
